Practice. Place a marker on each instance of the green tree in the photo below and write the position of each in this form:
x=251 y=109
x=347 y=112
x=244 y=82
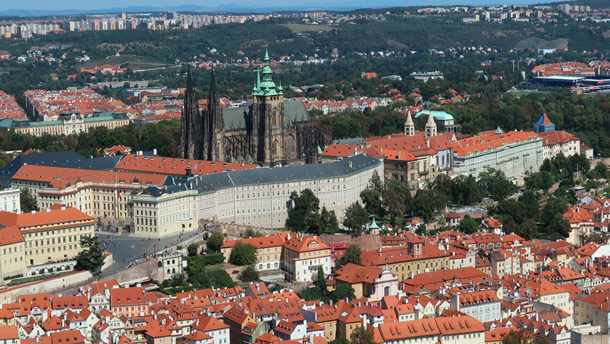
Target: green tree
x=329 y=220
x=342 y=292
x=601 y=170
x=355 y=218
x=215 y=241
x=372 y=201
x=243 y=254
x=352 y=255
x=27 y=201
x=321 y=280
x=468 y=225
x=361 y=336
x=532 y=208
x=496 y=185
x=91 y=257
x=249 y=274
x=303 y=206
x=313 y=224
x=193 y=249
x=396 y=199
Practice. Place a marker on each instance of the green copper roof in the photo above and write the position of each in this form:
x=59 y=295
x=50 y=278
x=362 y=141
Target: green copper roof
x=438 y=115
x=266 y=86
x=498 y=131
x=373 y=225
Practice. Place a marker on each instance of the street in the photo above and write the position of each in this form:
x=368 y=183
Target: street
x=127 y=249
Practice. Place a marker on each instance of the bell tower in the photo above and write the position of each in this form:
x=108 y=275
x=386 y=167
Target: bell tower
x=266 y=138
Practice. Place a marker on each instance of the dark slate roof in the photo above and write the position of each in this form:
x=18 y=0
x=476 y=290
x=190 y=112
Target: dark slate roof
x=350 y=141
x=222 y=180
x=58 y=159
x=235 y=118
x=100 y=164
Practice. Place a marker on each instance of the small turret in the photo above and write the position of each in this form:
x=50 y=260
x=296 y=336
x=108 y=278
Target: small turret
x=431 y=126
x=409 y=126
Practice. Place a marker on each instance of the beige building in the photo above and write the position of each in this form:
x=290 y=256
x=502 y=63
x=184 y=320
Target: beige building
x=302 y=257
x=258 y=197
x=51 y=235
x=167 y=214
x=12 y=244
x=96 y=193
x=268 y=250
x=69 y=124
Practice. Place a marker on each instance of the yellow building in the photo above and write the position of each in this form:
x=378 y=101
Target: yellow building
x=12 y=245
x=268 y=250
x=51 y=235
x=414 y=258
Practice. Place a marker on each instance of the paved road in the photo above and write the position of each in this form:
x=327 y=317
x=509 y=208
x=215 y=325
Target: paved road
x=126 y=249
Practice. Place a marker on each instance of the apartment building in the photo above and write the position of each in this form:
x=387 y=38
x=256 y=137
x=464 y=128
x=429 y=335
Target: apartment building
x=483 y=305
x=130 y=301
x=303 y=255
x=458 y=329
x=50 y=235
x=515 y=153
x=268 y=250
x=414 y=258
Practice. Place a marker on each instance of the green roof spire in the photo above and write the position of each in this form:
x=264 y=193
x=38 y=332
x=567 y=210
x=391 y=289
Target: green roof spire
x=498 y=131
x=373 y=225
x=266 y=86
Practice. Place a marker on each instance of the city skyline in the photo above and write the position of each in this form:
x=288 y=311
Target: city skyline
x=40 y=7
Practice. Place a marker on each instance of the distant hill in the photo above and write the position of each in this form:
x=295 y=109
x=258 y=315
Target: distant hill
x=539 y=43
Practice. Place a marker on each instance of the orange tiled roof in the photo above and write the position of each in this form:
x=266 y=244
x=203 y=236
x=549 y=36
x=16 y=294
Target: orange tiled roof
x=10 y=235
x=55 y=216
x=175 y=166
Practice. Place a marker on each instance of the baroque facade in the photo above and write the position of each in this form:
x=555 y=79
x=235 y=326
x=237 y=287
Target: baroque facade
x=270 y=131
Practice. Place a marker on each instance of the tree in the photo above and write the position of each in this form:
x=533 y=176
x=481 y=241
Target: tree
x=496 y=185
x=303 y=206
x=372 y=201
x=601 y=170
x=396 y=199
x=532 y=208
x=321 y=281
x=27 y=201
x=313 y=224
x=521 y=336
x=342 y=292
x=355 y=218
x=361 y=336
x=468 y=225
x=243 y=254
x=376 y=182
x=249 y=274
x=352 y=255
x=193 y=249
x=215 y=241
x=91 y=258
x=329 y=220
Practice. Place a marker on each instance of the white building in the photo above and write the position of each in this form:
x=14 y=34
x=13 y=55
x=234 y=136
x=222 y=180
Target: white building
x=10 y=200
x=482 y=305
x=258 y=197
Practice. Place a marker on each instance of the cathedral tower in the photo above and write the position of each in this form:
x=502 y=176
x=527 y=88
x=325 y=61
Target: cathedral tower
x=213 y=125
x=267 y=140
x=190 y=124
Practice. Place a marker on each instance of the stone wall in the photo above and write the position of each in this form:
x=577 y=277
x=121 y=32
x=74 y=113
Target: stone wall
x=366 y=242
x=47 y=286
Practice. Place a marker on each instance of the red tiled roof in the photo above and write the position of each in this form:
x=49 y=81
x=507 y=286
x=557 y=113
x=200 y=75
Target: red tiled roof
x=55 y=216
x=176 y=166
x=10 y=235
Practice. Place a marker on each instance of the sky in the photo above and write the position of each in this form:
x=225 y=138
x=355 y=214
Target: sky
x=109 y=4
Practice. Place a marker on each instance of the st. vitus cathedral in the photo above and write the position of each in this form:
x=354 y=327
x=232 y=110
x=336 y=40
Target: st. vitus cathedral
x=270 y=131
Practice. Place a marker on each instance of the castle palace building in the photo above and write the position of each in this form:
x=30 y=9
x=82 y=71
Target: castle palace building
x=269 y=131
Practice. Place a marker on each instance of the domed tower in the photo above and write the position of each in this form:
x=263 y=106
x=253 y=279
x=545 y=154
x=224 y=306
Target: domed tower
x=431 y=126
